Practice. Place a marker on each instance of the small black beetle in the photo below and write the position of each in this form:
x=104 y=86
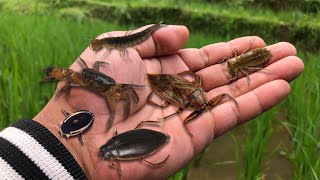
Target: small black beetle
x=74 y=124
x=132 y=145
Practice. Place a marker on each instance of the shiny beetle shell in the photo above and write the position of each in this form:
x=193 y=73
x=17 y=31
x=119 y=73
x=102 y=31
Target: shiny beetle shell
x=97 y=80
x=133 y=144
x=76 y=123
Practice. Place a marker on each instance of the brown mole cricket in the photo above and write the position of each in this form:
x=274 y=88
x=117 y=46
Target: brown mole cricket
x=98 y=82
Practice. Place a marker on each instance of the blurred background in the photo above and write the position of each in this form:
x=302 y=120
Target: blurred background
x=283 y=143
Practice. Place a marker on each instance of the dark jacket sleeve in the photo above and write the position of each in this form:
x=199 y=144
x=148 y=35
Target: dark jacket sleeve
x=30 y=151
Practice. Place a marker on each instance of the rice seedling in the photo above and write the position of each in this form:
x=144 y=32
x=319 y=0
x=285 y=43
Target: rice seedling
x=304 y=121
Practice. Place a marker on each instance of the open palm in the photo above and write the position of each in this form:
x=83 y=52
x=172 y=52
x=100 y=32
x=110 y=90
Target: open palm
x=163 y=53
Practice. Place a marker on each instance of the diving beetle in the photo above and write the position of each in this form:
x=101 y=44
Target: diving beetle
x=133 y=145
x=76 y=123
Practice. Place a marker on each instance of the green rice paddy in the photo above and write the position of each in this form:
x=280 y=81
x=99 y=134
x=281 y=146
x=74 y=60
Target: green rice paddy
x=30 y=43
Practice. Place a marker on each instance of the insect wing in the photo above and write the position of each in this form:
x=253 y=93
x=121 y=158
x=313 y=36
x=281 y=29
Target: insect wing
x=97 y=78
x=252 y=58
x=77 y=122
x=164 y=86
x=259 y=56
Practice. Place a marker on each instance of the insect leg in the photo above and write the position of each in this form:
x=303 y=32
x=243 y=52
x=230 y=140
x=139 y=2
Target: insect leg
x=125 y=95
x=112 y=102
x=56 y=126
x=97 y=63
x=259 y=68
x=104 y=55
x=67 y=88
x=81 y=139
x=246 y=74
x=235 y=52
x=124 y=54
x=115 y=132
x=127 y=33
x=109 y=34
x=65 y=113
x=133 y=94
x=191 y=116
x=143 y=122
x=196 y=81
x=118 y=166
x=250 y=45
x=177 y=112
x=223 y=60
x=234 y=77
x=215 y=100
x=83 y=62
x=254 y=68
x=155 y=104
x=156 y=164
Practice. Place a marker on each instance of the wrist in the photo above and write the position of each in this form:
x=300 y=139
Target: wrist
x=32 y=151
x=51 y=117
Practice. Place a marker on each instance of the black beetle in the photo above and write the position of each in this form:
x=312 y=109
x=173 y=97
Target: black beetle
x=95 y=78
x=132 y=145
x=98 y=80
x=74 y=124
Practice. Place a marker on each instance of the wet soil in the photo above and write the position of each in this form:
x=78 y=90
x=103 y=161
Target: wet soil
x=219 y=162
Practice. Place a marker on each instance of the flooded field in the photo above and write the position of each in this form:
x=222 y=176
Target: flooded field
x=219 y=159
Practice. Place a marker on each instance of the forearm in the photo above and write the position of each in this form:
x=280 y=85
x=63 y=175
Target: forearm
x=29 y=151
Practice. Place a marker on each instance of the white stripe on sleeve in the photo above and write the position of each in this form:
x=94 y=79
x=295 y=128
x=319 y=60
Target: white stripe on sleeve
x=6 y=171
x=37 y=153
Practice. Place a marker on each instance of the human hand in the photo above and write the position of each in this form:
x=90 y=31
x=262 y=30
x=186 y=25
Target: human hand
x=162 y=54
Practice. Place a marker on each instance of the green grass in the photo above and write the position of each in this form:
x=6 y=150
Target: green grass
x=304 y=121
x=222 y=9
x=258 y=134
x=31 y=43
x=230 y=18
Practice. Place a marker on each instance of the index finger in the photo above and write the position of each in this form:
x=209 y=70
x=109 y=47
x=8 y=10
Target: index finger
x=167 y=40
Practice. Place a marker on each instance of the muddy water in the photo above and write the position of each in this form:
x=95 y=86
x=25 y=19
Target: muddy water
x=218 y=160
